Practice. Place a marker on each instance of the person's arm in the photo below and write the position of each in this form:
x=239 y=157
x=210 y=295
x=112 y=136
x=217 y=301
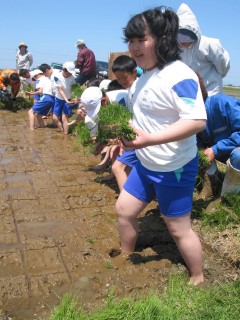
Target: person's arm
x=225 y=113
x=17 y=60
x=219 y=57
x=15 y=89
x=2 y=86
x=60 y=89
x=80 y=60
x=30 y=58
x=179 y=130
x=32 y=93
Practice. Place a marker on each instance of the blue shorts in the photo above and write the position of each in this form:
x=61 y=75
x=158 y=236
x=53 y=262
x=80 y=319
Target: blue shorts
x=129 y=158
x=36 y=97
x=61 y=107
x=174 y=189
x=44 y=104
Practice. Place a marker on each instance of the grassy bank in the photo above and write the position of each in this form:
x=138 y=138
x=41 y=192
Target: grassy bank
x=179 y=301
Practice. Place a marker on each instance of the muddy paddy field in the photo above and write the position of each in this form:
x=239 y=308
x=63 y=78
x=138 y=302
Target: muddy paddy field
x=58 y=230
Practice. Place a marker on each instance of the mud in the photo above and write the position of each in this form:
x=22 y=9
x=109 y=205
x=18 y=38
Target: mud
x=58 y=229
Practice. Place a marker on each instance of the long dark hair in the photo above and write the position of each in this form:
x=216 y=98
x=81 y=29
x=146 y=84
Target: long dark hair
x=162 y=24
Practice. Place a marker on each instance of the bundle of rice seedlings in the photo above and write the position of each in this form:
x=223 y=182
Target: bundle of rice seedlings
x=114 y=123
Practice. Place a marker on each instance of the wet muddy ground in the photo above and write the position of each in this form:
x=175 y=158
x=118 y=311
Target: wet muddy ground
x=58 y=229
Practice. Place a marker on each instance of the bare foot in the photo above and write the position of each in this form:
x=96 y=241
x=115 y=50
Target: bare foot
x=105 y=162
x=39 y=127
x=100 y=167
x=108 y=177
x=196 y=280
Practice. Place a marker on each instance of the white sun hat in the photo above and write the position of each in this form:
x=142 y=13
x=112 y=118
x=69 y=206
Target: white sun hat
x=36 y=72
x=104 y=84
x=70 y=66
x=79 y=42
x=22 y=44
x=91 y=100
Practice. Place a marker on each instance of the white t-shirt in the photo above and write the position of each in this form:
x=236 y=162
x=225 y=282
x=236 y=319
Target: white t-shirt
x=130 y=95
x=161 y=98
x=44 y=83
x=65 y=84
x=118 y=96
x=54 y=78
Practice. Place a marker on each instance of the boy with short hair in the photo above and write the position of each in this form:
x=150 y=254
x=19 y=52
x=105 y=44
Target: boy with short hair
x=125 y=71
x=44 y=104
x=28 y=76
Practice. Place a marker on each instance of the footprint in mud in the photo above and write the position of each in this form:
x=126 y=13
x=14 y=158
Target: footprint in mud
x=113 y=253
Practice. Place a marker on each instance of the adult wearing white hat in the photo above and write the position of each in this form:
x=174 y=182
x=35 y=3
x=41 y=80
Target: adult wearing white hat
x=24 y=58
x=86 y=63
x=204 y=55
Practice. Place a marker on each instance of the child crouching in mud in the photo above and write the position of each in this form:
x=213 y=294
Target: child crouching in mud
x=168 y=111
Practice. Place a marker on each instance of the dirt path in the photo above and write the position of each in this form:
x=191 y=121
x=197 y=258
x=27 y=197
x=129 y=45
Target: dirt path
x=58 y=228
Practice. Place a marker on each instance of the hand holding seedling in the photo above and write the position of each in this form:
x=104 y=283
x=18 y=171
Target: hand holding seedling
x=209 y=154
x=142 y=140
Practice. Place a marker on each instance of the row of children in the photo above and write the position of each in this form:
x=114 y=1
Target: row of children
x=102 y=92
x=52 y=93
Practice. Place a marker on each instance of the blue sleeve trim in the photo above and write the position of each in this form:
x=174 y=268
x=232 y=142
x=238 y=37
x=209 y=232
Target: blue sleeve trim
x=187 y=88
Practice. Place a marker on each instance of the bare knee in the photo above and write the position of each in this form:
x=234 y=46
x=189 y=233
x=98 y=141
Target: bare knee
x=116 y=167
x=119 y=207
x=55 y=118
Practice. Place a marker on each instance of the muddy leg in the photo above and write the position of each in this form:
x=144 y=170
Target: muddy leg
x=188 y=244
x=31 y=119
x=40 y=121
x=127 y=209
x=65 y=123
x=56 y=120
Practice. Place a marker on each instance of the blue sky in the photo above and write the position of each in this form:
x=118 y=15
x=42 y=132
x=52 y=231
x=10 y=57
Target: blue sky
x=51 y=28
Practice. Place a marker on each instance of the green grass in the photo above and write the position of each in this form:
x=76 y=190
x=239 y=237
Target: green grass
x=179 y=302
x=18 y=104
x=227 y=213
x=223 y=215
x=82 y=133
x=77 y=90
x=204 y=163
x=113 y=123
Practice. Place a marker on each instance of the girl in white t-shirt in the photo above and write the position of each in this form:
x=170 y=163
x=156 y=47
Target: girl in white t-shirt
x=168 y=111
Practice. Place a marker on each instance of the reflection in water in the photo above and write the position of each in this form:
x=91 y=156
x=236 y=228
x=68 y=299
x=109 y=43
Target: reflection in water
x=46 y=228
x=17 y=177
x=7 y=160
x=36 y=155
x=8 y=192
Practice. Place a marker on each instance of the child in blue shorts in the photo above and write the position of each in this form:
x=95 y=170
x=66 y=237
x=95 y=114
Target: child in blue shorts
x=168 y=111
x=44 y=103
x=62 y=109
